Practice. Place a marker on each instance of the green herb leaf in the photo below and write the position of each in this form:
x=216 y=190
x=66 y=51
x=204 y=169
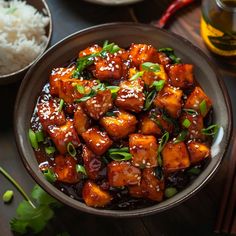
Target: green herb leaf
x=119 y=154
x=50 y=150
x=80 y=88
x=170 y=192
x=190 y=112
x=123 y=149
x=137 y=75
x=186 y=123
x=81 y=169
x=181 y=137
x=8 y=196
x=212 y=130
x=49 y=175
x=158 y=85
x=61 y=105
x=71 y=149
x=170 y=53
x=149 y=99
x=203 y=107
x=33 y=139
x=149 y=66
x=163 y=142
x=39 y=136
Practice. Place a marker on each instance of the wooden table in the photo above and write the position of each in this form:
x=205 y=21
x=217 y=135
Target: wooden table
x=194 y=217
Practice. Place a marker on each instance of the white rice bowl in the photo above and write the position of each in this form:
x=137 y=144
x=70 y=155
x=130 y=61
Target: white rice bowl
x=23 y=37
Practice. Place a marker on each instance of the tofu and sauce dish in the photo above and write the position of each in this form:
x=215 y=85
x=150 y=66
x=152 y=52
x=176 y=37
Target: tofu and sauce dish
x=122 y=128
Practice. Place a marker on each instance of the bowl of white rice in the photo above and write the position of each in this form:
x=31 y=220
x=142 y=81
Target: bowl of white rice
x=26 y=30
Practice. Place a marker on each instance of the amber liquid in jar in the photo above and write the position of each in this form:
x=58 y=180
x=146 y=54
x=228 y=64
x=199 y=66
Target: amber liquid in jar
x=218 y=26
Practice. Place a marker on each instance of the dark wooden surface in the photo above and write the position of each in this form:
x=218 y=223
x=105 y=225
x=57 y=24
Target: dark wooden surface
x=194 y=217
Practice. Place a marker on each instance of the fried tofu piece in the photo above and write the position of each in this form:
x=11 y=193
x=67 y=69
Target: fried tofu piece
x=62 y=135
x=97 y=140
x=92 y=163
x=150 y=77
x=111 y=67
x=120 y=125
x=94 y=196
x=181 y=75
x=197 y=151
x=130 y=96
x=155 y=126
x=140 y=53
x=175 y=157
x=122 y=174
x=198 y=99
x=195 y=127
x=81 y=120
x=163 y=59
x=90 y=50
x=151 y=187
x=144 y=150
x=56 y=76
x=98 y=105
x=49 y=114
x=65 y=169
x=170 y=99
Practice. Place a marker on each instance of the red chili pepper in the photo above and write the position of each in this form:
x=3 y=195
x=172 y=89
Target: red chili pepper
x=174 y=6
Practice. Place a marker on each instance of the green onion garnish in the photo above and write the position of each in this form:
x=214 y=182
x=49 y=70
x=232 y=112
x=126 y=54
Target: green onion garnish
x=119 y=154
x=71 y=149
x=170 y=53
x=137 y=75
x=50 y=175
x=87 y=97
x=114 y=89
x=170 y=192
x=158 y=85
x=149 y=99
x=33 y=139
x=194 y=171
x=61 y=105
x=39 y=136
x=163 y=142
x=212 y=130
x=191 y=112
x=203 y=107
x=110 y=113
x=186 y=123
x=181 y=137
x=81 y=169
x=50 y=150
x=80 y=88
x=7 y=196
x=149 y=66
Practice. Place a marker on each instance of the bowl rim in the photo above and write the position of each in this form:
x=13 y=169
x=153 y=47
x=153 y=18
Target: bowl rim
x=11 y=75
x=121 y=213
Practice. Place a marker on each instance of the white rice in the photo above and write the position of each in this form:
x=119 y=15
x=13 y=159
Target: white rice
x=22 y=35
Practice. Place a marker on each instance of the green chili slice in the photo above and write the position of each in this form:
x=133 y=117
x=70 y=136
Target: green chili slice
x=71 y=149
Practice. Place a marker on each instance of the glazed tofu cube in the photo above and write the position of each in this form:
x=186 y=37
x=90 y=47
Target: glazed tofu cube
x=163 y=59
x=63 y=135
x=122 y=174
x=135 y=191
x=195 y=126
x=152 y=187
x=175 y=157
x=150 y=77
x=130 y=96
x=120 y=125
x=90 y=50
x=110 y=68
x=81 y=120
x=97 y=140
x=199 y=101
x=98 y=105
x=56 y=76
x=65 y=169
x=92 y=163
x=170 y=99
x=144 y=150
x=155 y=125
x=197 y=151
x=181 y=75
x=140 y=53
x=49 y=114
x=94 y=196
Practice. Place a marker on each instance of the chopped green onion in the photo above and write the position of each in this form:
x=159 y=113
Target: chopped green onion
x=181 y=137
x=39 y=136
x=50 y=150
x=71 y=149
x=87 y=97
x=33 y=139
x=170 y=53
x=194 y=171
x=80 y=88
x=212 y=130
x=163 y=142
x=123 y=149
x=203 y=107
x=170 y=192
x=149 y=99
x=81 y=169
x=159 y=172
x=166 y=50
x=119 y=154
x=158 y=85
x=105 y=43
x=137 y=75
x=7 y=196
x=49 y=175
x=61 y=105
x=110 y=113
x=149 y=66
x=186 y=123
x=191 y=112
x=114 y=89
x=154 y=119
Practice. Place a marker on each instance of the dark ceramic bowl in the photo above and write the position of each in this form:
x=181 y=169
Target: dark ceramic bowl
x=43 y=8
x=123 y=34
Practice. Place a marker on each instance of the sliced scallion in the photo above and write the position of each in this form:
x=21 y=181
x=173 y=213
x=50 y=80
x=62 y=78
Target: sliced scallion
x=39 y=136
x=158 y=85
x=190 y=111
x=81 y=169
x=137 y=75
x=181 y=137
x=50 y=150
x=163 y=142
x=194 y=171
x=61 y=105
x=170 y=192
x=80 y=89
x=149 y=99
x=203 y=107
x=212 y=130
x=49 y=175
x=186 y=123
x=71 y=149
x=149 y=66
x=113 y=89
x=119 y=154
x=8 y=196
x=33 y=139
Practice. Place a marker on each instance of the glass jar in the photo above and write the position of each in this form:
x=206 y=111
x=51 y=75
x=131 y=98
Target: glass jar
x=218 y=26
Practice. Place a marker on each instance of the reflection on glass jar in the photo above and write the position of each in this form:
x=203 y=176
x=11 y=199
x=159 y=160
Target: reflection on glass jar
x=218 y=26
